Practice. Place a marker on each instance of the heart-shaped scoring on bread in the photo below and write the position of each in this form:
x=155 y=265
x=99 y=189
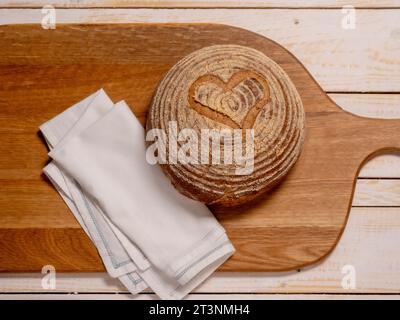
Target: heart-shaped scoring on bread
x=235 y=103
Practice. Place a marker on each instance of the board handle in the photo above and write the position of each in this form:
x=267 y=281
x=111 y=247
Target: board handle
x=381 y=135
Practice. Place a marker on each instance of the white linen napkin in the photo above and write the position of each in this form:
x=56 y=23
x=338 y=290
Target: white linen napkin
x=145 y=231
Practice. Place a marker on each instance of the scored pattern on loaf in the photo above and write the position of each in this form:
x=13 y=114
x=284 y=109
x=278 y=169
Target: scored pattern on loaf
x=228 y=102
x=231 y=87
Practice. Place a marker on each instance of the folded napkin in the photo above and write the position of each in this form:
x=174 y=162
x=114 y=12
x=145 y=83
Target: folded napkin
x=146 y=232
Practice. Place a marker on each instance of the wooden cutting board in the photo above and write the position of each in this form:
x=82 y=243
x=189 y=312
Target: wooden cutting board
x=42 y=72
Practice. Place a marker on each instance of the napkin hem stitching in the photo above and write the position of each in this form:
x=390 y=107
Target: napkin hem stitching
x=106 y=246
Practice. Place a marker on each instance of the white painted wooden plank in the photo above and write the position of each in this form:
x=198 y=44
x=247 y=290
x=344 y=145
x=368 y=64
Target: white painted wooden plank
x=377 y=192
x=340 y=59
x=383 y=166
x=370 y=244
x=199 y=297
x=382 y=106
x=65 y=282
x=205 y=3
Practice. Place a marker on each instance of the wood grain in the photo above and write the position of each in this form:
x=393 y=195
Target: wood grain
x=370 y=105
x=370 y=244
x=377 y=192
x=380 y=72
x=64 y=248
x=202 y=3
x=44 y=72
x=372 y=65
x=382 y=106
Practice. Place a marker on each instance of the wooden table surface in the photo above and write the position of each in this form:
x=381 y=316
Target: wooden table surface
x=359 y=70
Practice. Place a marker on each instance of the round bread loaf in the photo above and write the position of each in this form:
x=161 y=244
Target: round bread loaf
x=236 y=101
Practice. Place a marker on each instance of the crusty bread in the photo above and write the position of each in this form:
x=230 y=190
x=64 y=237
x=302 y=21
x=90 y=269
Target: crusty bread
x=230 y=87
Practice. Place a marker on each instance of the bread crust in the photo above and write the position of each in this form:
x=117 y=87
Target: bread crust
x=228 y=87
